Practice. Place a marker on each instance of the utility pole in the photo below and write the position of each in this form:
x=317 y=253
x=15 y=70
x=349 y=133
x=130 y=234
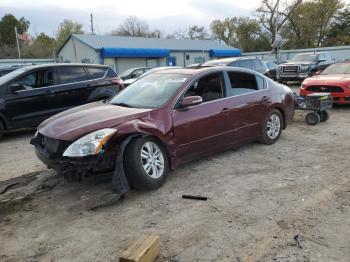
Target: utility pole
x=92 y=24
x=19 y=52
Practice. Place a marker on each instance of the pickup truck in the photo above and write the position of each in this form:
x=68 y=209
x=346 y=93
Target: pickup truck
x=303 y=65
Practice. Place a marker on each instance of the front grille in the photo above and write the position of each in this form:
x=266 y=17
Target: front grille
x=290 y=69
x=325 y=89
x=53 y=147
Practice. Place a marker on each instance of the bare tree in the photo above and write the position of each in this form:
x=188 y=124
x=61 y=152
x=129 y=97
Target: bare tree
x=136 y=27
x=272 y=18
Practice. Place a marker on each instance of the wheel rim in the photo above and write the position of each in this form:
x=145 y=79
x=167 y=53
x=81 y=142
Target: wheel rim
x=152 y=160
x=273 y=126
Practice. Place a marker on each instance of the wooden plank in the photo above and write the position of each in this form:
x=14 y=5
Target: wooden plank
x=145 y=249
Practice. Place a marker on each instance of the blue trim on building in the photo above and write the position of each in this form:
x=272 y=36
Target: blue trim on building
x=225 y=52
x=134 y=52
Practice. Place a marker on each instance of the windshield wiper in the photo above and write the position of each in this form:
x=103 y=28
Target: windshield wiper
x=122 y=104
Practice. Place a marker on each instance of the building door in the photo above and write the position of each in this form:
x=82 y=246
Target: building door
x=171 y=61
x=152 y=63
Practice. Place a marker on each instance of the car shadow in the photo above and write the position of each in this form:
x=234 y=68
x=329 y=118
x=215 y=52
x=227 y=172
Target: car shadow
x=18 y=134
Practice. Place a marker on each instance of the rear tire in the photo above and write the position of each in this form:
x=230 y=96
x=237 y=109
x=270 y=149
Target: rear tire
x=312 y=118
x=272 y=128
x=324 y=116
x=2 y=129
x=146 y=163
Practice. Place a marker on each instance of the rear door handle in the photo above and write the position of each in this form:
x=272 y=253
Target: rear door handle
x=225 y=109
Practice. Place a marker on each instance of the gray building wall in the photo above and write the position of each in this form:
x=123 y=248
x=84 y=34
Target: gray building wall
x=193 y=57
x=337 y=52
x=74 y=51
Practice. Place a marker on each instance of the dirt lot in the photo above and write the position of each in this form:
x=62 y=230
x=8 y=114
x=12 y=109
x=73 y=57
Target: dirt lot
x=260 y=197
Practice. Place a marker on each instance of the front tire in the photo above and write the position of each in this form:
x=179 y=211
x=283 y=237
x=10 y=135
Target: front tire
x=146 y=163
x=324 y=116
x=272 y=128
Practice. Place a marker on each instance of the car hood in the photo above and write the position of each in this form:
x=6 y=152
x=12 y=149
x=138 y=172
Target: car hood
x=79 y=121
x=335 y=79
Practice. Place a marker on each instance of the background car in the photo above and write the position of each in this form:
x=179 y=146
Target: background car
x=303 y=65
x=164 y=119
x=152 y=70
x=252 y=63
x=134 y=73
x=31 y=94
x=335 y=79
x=272 y=69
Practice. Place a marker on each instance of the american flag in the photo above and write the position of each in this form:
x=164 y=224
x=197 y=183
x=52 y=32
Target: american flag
x=24 y=37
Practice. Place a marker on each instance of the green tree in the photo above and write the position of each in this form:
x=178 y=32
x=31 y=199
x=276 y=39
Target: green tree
x=309 y=23
x=42 y=46
x=339 y=31
x=7 y=29
x=65 y=29
x=224 y=30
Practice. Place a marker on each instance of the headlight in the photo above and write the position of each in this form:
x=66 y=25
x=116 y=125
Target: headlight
x=304 y=67
x=90 y=144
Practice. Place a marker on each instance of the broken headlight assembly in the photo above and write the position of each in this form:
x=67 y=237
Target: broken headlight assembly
x=90 y=144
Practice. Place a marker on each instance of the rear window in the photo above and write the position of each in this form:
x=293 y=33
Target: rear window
x=71 y=74
x=111 y=73
x=96 y=72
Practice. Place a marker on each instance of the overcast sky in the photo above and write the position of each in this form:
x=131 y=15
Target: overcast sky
x=168 y=16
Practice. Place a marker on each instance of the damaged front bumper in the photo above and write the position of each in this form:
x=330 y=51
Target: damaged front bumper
x=50 y=152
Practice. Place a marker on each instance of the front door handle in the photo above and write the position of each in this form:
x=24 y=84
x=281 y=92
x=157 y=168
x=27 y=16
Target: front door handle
x=265 y=99
x=225 y=109
x=50 y=92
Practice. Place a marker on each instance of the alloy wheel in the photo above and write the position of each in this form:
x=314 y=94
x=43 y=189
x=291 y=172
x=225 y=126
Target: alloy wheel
x=273 y=126
x=152 y=160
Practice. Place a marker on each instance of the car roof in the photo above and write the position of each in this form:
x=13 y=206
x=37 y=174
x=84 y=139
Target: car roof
x=195 y=71
x=229 y=60
x=61 y=64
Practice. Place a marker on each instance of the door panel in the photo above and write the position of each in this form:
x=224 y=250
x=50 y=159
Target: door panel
x=203 y=128
x=30 y=106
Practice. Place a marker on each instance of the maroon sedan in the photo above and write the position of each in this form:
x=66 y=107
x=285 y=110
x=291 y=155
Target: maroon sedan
x=164 y=119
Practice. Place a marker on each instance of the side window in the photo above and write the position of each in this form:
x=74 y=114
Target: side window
x=111 y=73
x=95 y=72
x=235 y=64
x=137 y=73
x=245 y=64
x=37 y=79
x=44 y=78
x=28 y=81
x=210 y=87
x=71 y=74
x=260 y=82
x=242 y=83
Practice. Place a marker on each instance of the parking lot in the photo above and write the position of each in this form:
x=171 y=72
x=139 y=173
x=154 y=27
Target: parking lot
x=259 y=198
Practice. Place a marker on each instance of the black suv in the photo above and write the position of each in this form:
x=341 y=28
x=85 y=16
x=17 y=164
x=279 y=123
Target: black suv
x=303 y=65
x=252 y=63
x=31 y=94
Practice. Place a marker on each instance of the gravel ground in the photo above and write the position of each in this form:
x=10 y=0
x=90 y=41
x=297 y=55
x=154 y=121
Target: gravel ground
x=260 y=197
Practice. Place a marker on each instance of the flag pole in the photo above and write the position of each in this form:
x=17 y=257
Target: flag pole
x=19 y=52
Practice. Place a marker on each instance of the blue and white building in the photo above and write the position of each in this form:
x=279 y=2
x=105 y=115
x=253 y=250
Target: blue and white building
x=124 y=52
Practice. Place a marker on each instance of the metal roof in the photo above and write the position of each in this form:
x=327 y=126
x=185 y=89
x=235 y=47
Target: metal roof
x=107 y=41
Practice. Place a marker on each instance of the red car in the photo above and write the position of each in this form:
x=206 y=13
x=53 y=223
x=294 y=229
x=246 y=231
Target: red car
x=164 y=119
x=335 y=79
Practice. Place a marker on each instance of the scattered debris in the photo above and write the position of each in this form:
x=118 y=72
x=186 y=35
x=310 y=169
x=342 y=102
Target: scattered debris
x=298 y=240
x=195 y=197
x=216 y=208
x=289 y=179
x=108 y=200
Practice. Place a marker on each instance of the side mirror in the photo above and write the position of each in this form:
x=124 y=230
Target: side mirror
x=14 y=88
x=191 y=101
